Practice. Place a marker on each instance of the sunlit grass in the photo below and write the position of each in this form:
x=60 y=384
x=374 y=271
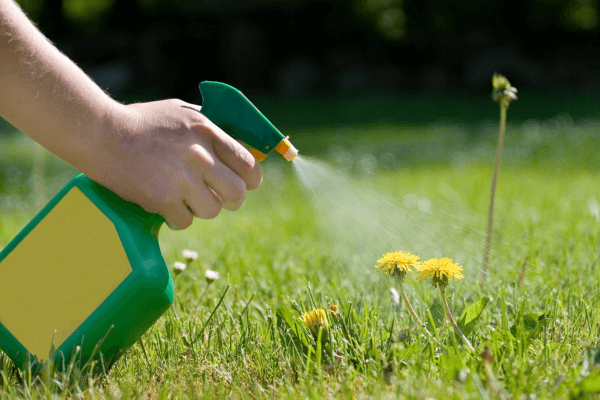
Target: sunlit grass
x=282 y=252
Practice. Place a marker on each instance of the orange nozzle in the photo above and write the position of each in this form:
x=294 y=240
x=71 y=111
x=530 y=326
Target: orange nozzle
x=286 y=149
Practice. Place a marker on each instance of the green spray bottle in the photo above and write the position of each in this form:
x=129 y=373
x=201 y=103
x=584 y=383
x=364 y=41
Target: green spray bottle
x=86 y=278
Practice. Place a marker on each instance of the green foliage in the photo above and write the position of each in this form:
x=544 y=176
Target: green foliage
x=471 y=315
x=87 y=15
x=387 y=17
x=296 y=328
x=241 y=337
x=580 y=15
x=33 y=8
x=436 y=311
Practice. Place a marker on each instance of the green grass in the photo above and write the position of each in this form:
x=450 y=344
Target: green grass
x=285 y=248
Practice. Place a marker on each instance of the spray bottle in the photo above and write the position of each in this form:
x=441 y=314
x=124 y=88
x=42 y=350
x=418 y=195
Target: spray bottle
x=85 y=279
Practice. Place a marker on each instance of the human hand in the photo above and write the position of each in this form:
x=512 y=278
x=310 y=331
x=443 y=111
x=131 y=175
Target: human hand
x=167 y=157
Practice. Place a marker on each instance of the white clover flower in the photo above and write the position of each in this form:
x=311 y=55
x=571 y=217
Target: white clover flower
x=190 y=255
x=178 y=267
x=395 y=296
x=211 y=276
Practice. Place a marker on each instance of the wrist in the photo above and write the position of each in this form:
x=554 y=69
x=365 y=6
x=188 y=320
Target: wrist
x=105 y=149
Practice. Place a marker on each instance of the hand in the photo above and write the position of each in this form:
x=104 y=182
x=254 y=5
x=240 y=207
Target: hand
x=164 y=156
x=167 y=157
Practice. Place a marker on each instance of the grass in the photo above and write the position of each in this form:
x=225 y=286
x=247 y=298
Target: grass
x=427 y=184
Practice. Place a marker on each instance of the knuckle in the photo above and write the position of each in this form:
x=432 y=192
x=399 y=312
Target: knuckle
x=203 y=156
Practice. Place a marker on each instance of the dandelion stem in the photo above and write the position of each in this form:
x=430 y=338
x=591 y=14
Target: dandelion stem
x=414 y=315
x=488 y=235
x=522 y=275
x=451 y=319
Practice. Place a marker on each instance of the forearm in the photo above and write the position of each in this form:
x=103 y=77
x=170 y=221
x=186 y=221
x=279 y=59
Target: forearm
x=46 y=96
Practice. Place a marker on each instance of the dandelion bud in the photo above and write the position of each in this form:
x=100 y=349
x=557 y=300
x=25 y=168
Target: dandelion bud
x=333 y=309
x=211 y=276
x=189 y=255
x=178 y=267
x=503 y=91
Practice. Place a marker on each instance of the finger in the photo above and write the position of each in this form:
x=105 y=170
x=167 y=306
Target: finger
x=235 y=156
x=202 y=202
x=241 y=161
x=231 y=188
x=178 y=217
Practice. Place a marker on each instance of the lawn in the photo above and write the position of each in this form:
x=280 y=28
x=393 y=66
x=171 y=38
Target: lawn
x=372 y=186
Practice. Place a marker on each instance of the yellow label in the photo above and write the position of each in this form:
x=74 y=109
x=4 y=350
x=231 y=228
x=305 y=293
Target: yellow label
x=60 y=273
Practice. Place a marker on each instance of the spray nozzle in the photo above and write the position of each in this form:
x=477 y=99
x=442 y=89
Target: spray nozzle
x=286 y=149
x=231 y=111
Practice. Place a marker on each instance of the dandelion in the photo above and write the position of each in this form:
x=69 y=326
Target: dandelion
x=211 y=276
x=178 y=267
x=189 y=255
x=315 y=319
x=503 y=93
x=397 y=264
x=440 y=271
x=333 y=309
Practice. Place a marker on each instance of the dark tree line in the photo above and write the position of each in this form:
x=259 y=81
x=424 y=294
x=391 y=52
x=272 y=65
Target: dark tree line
x=149 y=48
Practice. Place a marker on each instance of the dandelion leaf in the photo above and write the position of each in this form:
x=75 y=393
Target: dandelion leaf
x=531 y=325
x=530 y=322
x=291 y=319
x=469 y=317
x=437 y=313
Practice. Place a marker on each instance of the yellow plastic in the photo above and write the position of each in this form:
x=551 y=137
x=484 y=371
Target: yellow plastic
x=259 y=155
x=34 y=272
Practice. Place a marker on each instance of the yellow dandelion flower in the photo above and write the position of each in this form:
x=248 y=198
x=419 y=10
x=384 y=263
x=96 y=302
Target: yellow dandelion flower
x=314 y=320
x=439 y=270
x=397 y=261
x=333 y=309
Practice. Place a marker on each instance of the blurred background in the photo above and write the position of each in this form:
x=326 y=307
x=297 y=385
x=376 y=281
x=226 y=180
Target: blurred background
x=148 y=49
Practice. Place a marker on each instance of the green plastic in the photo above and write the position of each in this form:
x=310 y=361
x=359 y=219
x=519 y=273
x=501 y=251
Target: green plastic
x=148 y=291
x=231 y=111
x=130 y=309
